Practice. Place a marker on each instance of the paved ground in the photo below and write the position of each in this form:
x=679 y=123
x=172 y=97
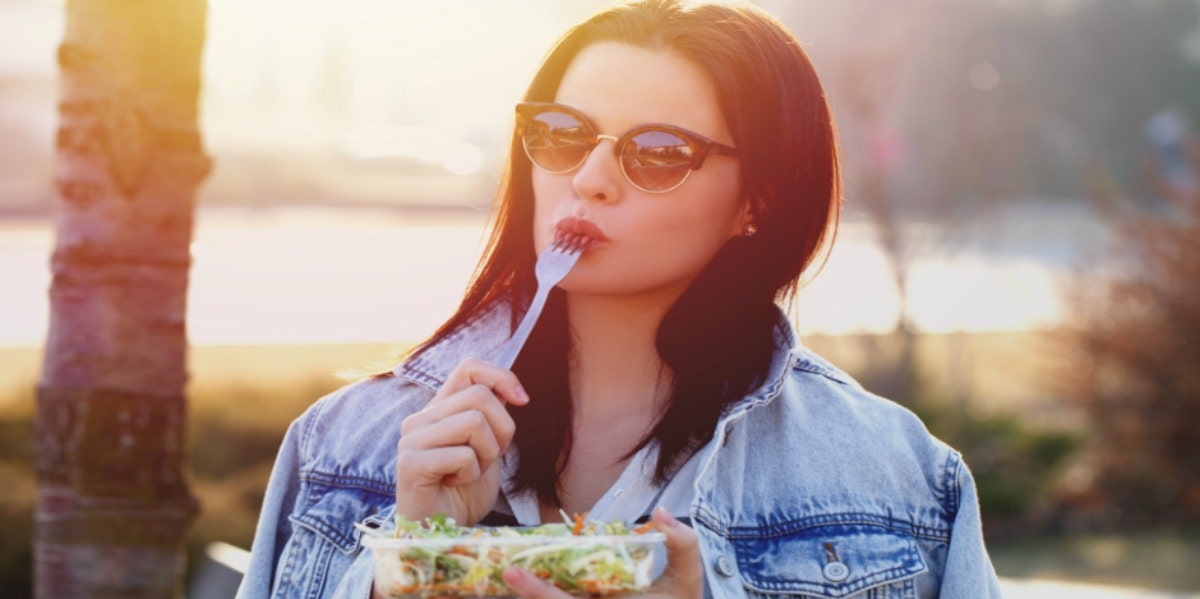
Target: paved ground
x=1040 y=589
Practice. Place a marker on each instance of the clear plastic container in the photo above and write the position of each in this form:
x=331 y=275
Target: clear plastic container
x=593 y=565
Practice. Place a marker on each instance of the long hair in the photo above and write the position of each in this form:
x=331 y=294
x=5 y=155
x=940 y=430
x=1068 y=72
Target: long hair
x=718 y=338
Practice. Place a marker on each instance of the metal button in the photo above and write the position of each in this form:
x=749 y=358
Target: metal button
x=835 y=571
x=724 y=566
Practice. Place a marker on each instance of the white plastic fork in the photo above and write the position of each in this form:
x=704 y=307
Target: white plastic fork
x=552 y=266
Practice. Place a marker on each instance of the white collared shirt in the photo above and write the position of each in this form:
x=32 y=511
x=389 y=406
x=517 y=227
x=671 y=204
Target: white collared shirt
x=630 y=499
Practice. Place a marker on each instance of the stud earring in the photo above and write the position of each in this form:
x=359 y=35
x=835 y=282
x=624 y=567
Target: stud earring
x=750 y=230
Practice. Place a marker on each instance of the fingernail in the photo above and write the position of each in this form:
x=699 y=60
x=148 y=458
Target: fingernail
x=521 y=394
x=666 y=516
x=513 y=576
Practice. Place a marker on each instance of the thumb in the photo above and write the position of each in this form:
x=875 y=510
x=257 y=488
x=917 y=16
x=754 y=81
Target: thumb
x=684 y=574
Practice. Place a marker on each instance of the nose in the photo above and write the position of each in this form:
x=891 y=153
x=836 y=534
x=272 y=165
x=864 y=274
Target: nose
x=599 y=177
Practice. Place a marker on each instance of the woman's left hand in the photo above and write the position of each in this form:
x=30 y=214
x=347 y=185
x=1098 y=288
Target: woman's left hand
x=683 y=577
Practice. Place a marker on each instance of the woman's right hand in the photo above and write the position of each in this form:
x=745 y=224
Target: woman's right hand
x=448 y=457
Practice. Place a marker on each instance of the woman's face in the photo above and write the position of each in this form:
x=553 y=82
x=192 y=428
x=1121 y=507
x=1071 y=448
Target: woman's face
x=655 y=243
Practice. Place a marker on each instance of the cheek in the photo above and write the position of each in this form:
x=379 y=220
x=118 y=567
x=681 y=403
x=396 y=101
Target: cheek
x=713 y=218
x=685 y=236
x=545 y=203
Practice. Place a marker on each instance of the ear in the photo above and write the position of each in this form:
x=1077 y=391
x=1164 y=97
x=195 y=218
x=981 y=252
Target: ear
x=749 y=215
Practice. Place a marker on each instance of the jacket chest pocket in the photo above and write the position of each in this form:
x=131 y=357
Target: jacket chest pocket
x=324 y=541
x=833 y=561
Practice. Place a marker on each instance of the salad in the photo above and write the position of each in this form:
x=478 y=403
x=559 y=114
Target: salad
x=437 y=557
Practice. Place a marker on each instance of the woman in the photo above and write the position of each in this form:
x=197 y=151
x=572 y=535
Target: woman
x=692 y=147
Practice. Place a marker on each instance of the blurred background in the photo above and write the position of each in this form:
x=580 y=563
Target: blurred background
x=1019 y=259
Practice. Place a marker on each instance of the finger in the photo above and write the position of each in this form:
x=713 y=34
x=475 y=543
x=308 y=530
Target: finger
x=429 y=468
x=478 y=400
x=469 y=428
x=475 y=397
x=526 y=585
x=684 y=572
x=477 y=372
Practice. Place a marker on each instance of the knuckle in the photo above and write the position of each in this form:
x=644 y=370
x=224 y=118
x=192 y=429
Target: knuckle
x=688 y=535
x=462 y=455
x=506 y=423
x=478 y=393
x=471 y=364
x=409 y=424
x=506 y=431
x=405 y=460
x=488 y=451
x=477 y=420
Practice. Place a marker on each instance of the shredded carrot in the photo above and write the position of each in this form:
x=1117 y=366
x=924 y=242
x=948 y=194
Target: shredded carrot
x=643 y=528
x=578 y=524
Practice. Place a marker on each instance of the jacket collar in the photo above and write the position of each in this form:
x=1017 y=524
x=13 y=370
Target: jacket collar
x=481 y=337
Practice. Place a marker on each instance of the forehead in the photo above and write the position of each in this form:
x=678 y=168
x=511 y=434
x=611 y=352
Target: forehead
x=619 y=86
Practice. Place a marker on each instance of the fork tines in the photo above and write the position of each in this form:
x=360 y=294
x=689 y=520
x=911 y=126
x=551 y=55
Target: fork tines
x=571 y=243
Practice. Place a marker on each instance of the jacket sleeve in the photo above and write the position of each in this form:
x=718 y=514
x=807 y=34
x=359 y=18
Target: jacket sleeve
x=274 y=527
x=969 y=572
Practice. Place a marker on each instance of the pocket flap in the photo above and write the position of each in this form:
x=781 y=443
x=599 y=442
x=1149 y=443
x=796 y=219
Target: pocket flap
x=828 y=560
x=331 y=514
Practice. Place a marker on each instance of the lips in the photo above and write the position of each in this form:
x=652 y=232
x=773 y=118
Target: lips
x=574 y=225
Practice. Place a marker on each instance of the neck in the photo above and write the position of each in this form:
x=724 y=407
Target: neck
x=616 y=372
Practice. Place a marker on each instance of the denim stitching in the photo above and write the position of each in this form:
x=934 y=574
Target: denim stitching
x=841 y=519
x=320 y=570
x=286 y=575
x=385 y=488
x=911 y=569
x=837 y=590
x=952 y=486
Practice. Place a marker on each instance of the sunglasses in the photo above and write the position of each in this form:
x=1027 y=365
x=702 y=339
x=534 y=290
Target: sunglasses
x=654 y=158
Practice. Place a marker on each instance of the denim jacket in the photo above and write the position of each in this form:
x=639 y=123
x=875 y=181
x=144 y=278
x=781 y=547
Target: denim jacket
x=814 y=488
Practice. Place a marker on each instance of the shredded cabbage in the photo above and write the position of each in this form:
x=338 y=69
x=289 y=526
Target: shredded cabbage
x=578 y=556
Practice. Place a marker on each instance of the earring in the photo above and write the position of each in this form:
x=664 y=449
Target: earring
x=750 y=230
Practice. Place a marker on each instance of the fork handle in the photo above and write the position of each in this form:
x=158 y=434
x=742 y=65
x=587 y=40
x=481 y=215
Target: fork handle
x=513 y=346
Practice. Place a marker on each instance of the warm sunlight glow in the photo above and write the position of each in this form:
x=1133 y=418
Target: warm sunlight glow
x=975 y=293
x=426 y=144
x=319 y=275
x=375 y=78
x=404 y=105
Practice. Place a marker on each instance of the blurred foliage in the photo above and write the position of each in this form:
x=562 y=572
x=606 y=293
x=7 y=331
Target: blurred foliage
x=1016 y=464
x=958 y=102
x=1135 y=373
x=1163 y=559
x=18 y=493
x=234 y=431
x=17 y=496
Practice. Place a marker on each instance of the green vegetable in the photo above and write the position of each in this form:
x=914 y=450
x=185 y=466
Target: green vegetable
x=579 y=557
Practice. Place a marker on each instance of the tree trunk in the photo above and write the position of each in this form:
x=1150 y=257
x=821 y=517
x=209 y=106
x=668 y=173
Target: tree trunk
x=114 y=503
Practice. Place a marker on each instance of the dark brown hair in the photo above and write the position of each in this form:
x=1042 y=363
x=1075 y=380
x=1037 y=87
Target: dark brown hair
x=718 y=338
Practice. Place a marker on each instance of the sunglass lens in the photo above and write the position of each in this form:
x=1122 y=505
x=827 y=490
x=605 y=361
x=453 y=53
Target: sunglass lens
x=556 y=141
x=657 y=160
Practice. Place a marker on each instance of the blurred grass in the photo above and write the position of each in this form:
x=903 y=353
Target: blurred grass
x=241 y=401
x=242 y=398
x=1162 y=559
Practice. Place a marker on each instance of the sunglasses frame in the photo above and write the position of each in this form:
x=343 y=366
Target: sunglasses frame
x=702 y=146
